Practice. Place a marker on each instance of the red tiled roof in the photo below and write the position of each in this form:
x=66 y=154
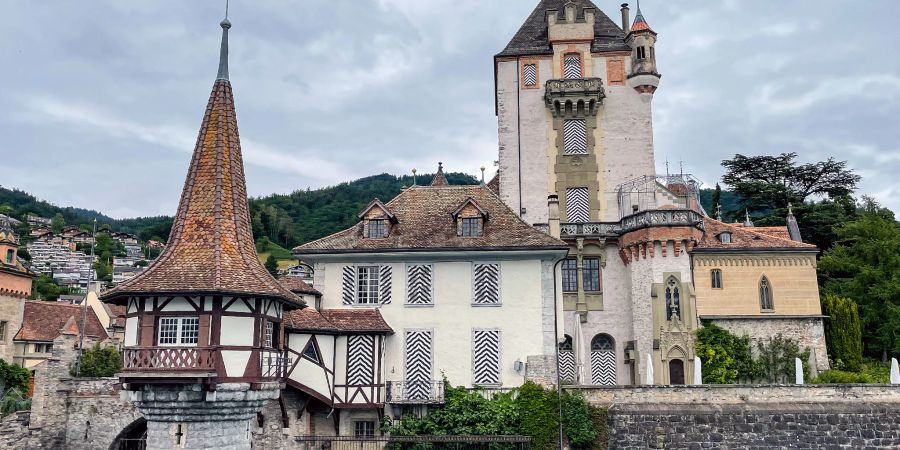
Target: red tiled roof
x=779 y=232
x=355 y=320
x=425 y=221
x=745 y=238
x=295 y=284
x=44 y=321
x=117 y=314
x=210 y=248
x=494 y=184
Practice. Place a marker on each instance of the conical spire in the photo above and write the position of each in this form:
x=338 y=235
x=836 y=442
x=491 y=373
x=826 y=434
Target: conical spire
x=792 y=225
x=439 y=178
x=211 y=248
x=640 y=23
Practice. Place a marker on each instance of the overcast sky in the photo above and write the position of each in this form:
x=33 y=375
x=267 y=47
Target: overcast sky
x=101 y=100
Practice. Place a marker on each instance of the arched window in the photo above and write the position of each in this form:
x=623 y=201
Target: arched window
x=567 y=361
x=716 y=276
x=603 y=360
x=676 y=371
x=673 y=299
x=765 y=295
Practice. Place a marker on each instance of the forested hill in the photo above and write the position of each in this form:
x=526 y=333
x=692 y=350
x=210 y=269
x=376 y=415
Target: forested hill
x=287 y=220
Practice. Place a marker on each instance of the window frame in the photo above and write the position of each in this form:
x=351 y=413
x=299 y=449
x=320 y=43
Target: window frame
x=534 y=66
x=725 y=237
x=10 y=256
x=769 y=299
x=716 y=279
x=366 y=428
x=381 y=226
x=566 y=278
x=579 y=57
x=499 y=293
x=180 y=331
x=269 y=334
x=584 y=272
x=373 y=291
x=473 y=225
x=3 y=326
x=571 y=150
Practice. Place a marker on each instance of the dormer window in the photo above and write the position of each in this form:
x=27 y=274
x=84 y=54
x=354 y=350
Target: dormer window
x=471 y=227
x=10 y=255
x=725 y=237
x=376 y=229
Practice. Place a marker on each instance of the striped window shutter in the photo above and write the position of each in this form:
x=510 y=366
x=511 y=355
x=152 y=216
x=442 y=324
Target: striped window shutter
x=577 y=205
x=575 y=137
x=360 y=360
x=567 y=365
x=419 y=345
x=486 y=356
x=384 y=285
x=529 y=74
x=603 y=367
x=486 y=279
x=348 y=285
x=572 y=66
x=419 y=284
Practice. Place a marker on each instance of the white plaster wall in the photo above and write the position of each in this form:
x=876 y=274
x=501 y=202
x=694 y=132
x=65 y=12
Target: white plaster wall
x=179 y=304
x=526 y=107
x=453 y=317
x=238 y=306
x=236 y=331
x=235 y=362
x=131 y=326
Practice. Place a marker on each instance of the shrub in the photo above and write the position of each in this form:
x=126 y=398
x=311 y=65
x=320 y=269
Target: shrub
x=775 y=363
x=98 y=362
x=576 y=419
x=538 y=416
x=841 y=377
x=843 y=332
x=599 y=418
x=13 y=377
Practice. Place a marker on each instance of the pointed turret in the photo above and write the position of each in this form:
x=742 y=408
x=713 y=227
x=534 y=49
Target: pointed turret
x=439 y=178
x=211 y=248
x=640 y=24
x=642 y=39
x=792 y=225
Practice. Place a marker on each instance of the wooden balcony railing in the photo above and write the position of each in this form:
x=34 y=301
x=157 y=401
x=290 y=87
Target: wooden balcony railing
x=415 y=392
x=274 y=363
x=183 y=359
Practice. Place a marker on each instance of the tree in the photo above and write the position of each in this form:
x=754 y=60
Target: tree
x=865 y=265
x=770 y=182
x=716 y=199
x=44 y=287
x=272 y=265
x=538 y=415
x=843 y=332
x=98 y=362
x=58 y=223
x=13 y=376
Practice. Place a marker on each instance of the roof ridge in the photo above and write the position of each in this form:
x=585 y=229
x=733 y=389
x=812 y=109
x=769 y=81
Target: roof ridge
x=763 y=236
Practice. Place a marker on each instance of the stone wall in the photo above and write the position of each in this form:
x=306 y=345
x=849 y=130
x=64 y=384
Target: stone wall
x=751 y=416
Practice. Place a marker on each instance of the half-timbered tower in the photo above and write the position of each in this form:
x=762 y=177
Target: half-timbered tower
x=466 y=285
x=203 y=347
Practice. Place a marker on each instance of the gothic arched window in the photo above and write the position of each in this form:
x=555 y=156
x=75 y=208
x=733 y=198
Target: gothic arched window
x=567 y=361
x=603 y=360
x=765 y=295
x=673 y=299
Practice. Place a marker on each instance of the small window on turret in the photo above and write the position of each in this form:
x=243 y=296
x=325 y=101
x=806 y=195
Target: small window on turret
x=641 y=53
x=10 y=254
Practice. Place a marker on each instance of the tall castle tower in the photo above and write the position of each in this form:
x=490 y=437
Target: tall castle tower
x=204 y=342
x=573 y=102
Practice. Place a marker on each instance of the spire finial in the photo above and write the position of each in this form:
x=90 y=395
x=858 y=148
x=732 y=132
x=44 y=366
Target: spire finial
x=223 y=52
x=414 y=176
x=790 y=209
x=482 y=175
x=718 y=212
x=747 y=221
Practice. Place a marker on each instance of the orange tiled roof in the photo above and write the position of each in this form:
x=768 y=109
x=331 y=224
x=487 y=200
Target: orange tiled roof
x=349 y=320
x=295 y=284
x=746 y=238
x=425 y=221
x=45 y=320
x=210 y=249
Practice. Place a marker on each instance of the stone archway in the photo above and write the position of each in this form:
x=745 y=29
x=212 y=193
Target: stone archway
x=132 y=437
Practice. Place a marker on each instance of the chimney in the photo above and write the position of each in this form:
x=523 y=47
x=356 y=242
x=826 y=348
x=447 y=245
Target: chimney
x=553 y=221
x=626 y=20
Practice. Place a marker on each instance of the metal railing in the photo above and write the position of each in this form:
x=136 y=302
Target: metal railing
x=148 y=359
x=274 y=363
x=415 y=392
x=413 y=443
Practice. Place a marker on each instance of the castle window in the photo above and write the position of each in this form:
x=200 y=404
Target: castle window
x=10 y=254
x=471 y=227
x=673 y=299
x=575 y=137
x=178 y=330
x=529 y=74
x=567 y=361
x=364 y=429
x=603 y=360
x=570 y=275
x=641 y=53
x=311 y=353
x=591 y=274
x=376 y=229
x=766 y=302
x=367 y=285
x=572 y=66
x=725 y=237
x=716 y=276
x=577 y=205
x=3 y=330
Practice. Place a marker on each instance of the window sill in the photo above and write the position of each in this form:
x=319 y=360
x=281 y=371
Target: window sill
x=767 y=311
x=486 y=305
x=414 y=305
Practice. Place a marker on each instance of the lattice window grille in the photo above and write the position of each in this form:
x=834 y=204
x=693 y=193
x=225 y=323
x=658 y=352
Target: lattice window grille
x=360 y=360
x=570 y=275
x=269 y=340
x=178 y=330
x=529 y=74
x=572 y=66
x=486 y=356
x=419 y=351
x=486 y=279
x=577 y=205
x=575 y=137
x=419 y=284
x=367 y=285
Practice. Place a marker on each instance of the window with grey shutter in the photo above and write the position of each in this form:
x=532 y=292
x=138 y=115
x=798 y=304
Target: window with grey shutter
x=577 y=205
x=360 y=360
x=419 y=278
x=486 y=280
x=486 y=356
x=529 y=74
x=575 y=137
x=572 y=66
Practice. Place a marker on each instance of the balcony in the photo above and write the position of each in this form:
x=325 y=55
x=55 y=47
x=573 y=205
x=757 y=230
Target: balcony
x=169 y=359
x=589 y=229
x=561 y=95
x=274 y=363
x=415 y=392
x=662 y=218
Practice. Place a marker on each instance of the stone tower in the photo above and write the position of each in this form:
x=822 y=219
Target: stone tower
x=15 y=287
x=573 y=104
x=204 y=347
